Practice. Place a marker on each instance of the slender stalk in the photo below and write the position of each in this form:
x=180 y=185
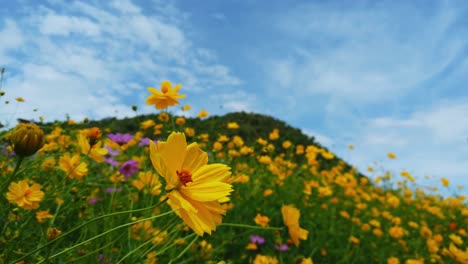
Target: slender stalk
x=89 y=222
x=185 y=250
x=251 y=226
x=105 y=233
x=18 y=164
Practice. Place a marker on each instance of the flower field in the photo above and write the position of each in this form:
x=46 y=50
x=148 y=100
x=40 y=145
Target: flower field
x=198 y=190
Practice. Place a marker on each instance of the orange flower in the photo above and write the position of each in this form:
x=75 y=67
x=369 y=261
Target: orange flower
x=166 y=97
x=291 y=220
x=261 y=220
x=25 y=196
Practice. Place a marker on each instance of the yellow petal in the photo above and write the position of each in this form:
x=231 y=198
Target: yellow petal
x=195 y=158
x=207 y=191
x=212 y=172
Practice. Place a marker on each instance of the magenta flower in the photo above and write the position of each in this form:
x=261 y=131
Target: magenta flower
x=257 y=240
x=282 y=247
x=120 y=138
x=129 y=168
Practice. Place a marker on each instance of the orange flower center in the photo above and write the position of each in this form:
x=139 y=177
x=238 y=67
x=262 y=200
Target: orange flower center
x=184 y=176
x=27 y=192
x=164 y=89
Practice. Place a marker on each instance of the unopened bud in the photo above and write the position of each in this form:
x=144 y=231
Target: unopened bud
x=26 y=139
x=94 y=135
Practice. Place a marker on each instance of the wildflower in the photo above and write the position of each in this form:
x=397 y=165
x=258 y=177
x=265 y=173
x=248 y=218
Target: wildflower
x=19 y=99
x=261 y=220
x=24 y=195
x=129 y=168
x=166 y=97
x=148 y=180
x=203 y=113
x=281 y=247
x=257 y=240
x=393 y=260
x=195 y=187
x=147 y=124
x=267 y=192
x=274 y=135
x=396 y=232
x=26 y=139
x=261 y=259
x=144 y=142
x=42 y=216
x=391 y=155
x=291 y=220
x=94 y=151
x=351 y=147
x=73 y=167
x=120 y=138
x=94 y=135
x=445 y=182
x=180 y=121
x=186 y=107
x=53 y=233
x=232 y=125
x=48 y=164
x=164 y=117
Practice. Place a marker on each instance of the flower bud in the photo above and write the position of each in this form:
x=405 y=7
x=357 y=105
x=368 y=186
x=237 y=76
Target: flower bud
x=94 y=135
x=26 y=139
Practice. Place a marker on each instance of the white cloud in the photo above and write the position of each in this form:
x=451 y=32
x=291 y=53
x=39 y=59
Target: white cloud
x=97 y=60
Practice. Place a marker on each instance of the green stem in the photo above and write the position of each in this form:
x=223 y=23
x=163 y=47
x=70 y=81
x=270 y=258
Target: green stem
x=18 y=164
x=185 y=249
x=89 y=222
x=105 y=233
x=251 y=226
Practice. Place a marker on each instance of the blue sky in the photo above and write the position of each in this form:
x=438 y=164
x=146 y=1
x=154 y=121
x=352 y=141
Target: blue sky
x=381 y=75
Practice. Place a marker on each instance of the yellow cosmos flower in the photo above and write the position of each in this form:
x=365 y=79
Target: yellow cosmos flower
x=291 y=220
x=166 y=97
x=42 y=216
x=73 y=167
x=95 y=152
x=25 y=196
x=195 y=187
x=391 y=155
x=148 y=180
x=203 y=113
x=261 y=220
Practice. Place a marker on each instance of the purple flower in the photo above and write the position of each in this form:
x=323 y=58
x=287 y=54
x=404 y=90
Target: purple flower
x=111 y=161
x=120 y=138
x=282 y=247
x=93 y=200
x=257 y=240
x=112 y=152
x=144 y=142
x=113 y=190
x=129 y=168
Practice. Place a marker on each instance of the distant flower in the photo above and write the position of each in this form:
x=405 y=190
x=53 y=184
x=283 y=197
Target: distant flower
x=203 y=113
x=129 y=168
x=120 y=138
x=24 y=195
x=73 y=167
x=113 y=190
x=261 y=220
x=391 y=155
x=282 y=247
x=20 y=99
x=42 y=216
x=94 y=151
x=166 y=97
x=92 y=200
x=291 y=220
x=111 y=162
x=186 y=107
x=111 y=151
x=195 y=186
x=232 y=125
x=148 y=180
x=144 y=142
x=257 y=240
x=147 y=124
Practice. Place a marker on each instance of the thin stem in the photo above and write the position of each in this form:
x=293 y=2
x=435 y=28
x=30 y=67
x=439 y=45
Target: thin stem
x=251 y=226
x=185 y=249
x=105 y=233
x=89 y=222
x=18 y=164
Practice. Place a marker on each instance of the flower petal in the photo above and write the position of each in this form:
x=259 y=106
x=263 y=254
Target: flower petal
x=195 y=158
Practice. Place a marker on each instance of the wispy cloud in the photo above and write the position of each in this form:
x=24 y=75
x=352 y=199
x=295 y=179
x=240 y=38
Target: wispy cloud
x=97 y=59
